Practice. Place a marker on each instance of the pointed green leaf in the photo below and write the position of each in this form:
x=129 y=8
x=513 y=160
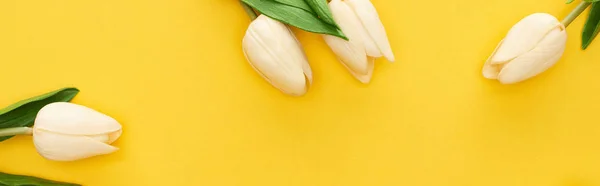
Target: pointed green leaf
x=591 y=27
x=20 y=180
x=322 y=10
x=295 y=16
x=23 y=113
x=569 y=1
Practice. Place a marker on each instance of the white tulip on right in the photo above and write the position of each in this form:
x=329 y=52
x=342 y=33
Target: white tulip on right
x=531 y=47
x=359 y=21
x=67 y=132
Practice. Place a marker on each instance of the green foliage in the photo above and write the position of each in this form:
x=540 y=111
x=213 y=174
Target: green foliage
x=23 y=113
x=20 y=180
x=310 y=15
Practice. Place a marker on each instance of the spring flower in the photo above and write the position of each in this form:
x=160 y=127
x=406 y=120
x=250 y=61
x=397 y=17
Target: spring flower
x=531 y=47
x=358 y=19
x=67 y=132
x=274 y=52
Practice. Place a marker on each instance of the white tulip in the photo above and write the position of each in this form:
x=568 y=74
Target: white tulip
x=275 y=53
x=66 y=132
x=359 y=21
x=531 y=46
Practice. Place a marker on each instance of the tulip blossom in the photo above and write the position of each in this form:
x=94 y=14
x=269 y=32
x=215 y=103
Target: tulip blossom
x=531 y=47
x=274 y=52
x=358 y=19
x=66 y=132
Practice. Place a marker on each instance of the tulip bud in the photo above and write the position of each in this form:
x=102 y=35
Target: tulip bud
x=274 y=52
x=67 y=132
x=531 y=46
x=359 y=21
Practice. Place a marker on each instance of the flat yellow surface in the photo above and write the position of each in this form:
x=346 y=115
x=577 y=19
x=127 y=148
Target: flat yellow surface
x=195 y=113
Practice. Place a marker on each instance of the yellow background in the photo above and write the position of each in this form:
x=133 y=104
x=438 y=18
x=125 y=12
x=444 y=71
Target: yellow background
x=195 y=113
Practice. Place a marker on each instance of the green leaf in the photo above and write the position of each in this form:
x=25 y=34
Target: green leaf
x=320 y=7
x=296 y=3
x=23 y=113
x=20 y=180
x=591 y=27
x=591 y=1
x=295 y=16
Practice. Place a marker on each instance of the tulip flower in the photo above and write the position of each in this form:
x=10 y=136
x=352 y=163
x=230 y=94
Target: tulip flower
x=274 y=52
x=531 y=46
x=358 y=19
x=66 y=132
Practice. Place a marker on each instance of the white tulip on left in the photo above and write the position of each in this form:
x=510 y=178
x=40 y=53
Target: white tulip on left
x=67 y=132
x=274 y=52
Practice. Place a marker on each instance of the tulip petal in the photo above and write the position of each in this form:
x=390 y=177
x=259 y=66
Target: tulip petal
x=62 y=147
x=107 y=138
x=301 y=58
x=364 y=78
x=490 y=70
x=524 y=36
x=353 y=57
x=69 y=118
x=273 y=52
x=348 y=22
x=112 y=137
x=104 y=138
x=370 y=21
x=545 y=55
x=351 y=53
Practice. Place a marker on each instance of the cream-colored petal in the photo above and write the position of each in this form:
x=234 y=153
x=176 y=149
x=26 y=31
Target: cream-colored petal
x=352 y=23
x=542 y=57
x=112 y=137
x=301 y=58
x=273 y=51
x=524 y=36
x=490 y=70
x=370 y=21
x=364 y=78
x=107 y=138
x=104 y=138
x=351 y=53
x=69 y=118
x=349 y=23
x=354 y=57
x=62 y=147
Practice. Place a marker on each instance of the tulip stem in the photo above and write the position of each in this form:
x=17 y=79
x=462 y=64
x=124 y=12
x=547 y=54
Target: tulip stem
x=249 y=11
x=575 y=13
x=15 y=131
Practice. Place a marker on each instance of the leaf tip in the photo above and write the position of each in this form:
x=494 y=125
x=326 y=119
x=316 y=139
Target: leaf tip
x=74 y=89
x=584 y=46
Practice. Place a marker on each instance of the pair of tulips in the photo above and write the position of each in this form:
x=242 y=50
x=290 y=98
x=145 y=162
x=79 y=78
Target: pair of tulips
x=275 y=53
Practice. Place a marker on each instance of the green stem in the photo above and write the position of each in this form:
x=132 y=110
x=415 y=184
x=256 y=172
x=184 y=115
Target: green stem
x=15 y=131
x=576 y=12
x=249 y=11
